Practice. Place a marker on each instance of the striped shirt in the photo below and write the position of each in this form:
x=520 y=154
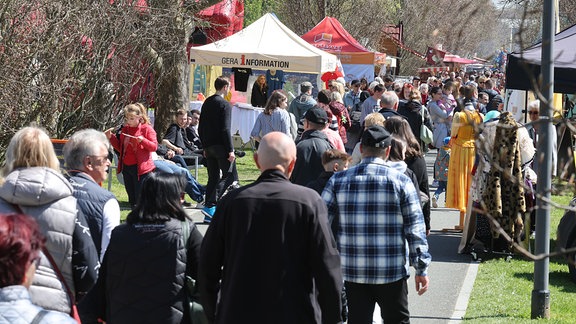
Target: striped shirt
x=379 y=225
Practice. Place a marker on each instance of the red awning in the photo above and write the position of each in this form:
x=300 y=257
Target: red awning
x=433 y=69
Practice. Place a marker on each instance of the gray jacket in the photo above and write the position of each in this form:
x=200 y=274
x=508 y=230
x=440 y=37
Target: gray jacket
x=16 y=307
x=46 y=195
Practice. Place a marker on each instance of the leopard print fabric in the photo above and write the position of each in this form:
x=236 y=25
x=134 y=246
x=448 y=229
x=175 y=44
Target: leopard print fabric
x=504 y=194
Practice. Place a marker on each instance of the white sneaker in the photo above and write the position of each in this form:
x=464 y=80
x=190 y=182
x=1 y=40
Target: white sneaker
x=199 y=205
x=434 y=202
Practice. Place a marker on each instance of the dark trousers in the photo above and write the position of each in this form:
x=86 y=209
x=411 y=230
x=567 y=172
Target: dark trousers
x=217 y=163
x=132 y=183
x=392 y=299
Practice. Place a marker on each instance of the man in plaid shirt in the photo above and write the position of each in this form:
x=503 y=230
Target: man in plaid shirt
x=378 y=224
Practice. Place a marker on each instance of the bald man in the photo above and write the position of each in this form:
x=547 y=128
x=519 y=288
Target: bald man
x=270 y=246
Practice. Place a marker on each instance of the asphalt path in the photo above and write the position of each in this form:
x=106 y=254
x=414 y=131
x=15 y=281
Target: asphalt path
x=451 y=274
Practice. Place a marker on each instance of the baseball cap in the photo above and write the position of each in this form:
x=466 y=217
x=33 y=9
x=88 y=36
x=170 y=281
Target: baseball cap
x=316 y=115
x=376 y=136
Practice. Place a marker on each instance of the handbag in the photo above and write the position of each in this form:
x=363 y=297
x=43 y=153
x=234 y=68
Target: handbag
x=195 y=310
x=426 y=135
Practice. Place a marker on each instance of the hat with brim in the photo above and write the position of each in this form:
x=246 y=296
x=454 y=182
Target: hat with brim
x=376 y=136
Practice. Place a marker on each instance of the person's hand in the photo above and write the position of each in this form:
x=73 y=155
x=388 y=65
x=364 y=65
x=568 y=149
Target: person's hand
x=170 y=154
x=140 y=139
x=109 y=132
x=179 y=151
x=231 y=157
x=421 y=284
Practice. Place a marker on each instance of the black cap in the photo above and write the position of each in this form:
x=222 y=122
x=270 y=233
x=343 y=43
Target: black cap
x=354 y=82
x=376 y=136
x=316 y=115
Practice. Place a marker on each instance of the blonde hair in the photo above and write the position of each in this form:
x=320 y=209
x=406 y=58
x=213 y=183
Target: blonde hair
x=30 y=147
x=137 y=109
x=415 y=95
x=336 y=96
x=340 y=87
x=374 y=119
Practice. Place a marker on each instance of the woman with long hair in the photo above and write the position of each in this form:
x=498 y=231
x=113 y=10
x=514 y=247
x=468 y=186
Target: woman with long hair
x=259 y=92
x=142 y=278
x=413 y=158
x=463 y=133
x=440 y=117
x=33 y=184
x=416 y=114
x=275 y=118
x=135 y=144
x=342 y=117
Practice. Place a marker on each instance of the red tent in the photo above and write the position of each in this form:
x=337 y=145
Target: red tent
x=225 y=17
x=330 y=36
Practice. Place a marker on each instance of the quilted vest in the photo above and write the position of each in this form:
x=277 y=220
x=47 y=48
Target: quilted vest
x=46 y=195
x=91 y=200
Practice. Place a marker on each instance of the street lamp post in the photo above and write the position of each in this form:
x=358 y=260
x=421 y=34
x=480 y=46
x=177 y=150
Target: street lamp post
x=541 y=293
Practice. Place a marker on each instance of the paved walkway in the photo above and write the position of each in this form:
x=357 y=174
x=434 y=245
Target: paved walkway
x=451 y=274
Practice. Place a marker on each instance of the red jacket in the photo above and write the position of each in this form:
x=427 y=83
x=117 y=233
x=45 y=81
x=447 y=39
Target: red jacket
x=132 y=152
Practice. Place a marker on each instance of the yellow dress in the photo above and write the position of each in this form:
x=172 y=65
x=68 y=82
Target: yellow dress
x=461 y=159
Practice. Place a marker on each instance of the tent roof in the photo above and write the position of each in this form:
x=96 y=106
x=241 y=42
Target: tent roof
x=525 y=66
x=330 y=35
x=265 y=44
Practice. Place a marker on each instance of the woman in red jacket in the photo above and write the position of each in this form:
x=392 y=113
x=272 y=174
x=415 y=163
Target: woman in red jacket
x=135 y=141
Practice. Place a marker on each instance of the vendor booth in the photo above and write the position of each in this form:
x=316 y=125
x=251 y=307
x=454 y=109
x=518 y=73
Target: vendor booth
x=265 y=44
x=272 y=48
x=357 y=61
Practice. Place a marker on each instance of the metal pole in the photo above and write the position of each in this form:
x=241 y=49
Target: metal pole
x=541 y=292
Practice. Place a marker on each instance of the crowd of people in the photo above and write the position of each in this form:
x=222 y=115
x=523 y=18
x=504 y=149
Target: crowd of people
x=329 y=229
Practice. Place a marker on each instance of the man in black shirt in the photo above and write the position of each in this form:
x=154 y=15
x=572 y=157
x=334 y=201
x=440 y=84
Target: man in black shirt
x=216 y=137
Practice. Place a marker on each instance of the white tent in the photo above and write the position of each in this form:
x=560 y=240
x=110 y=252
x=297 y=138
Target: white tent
x=266 y=44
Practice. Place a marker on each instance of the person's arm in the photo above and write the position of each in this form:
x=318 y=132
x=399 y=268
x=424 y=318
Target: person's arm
x=226 y=131
x=325 y=265
x=193 y=247
x=85 y=262
x=148 y=141
x=257 y=128
x=210 y=267
x=110 y=219
x=414 y=231
x=285 y=123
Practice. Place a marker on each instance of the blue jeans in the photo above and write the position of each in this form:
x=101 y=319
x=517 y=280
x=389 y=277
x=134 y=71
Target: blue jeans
x=193 y=188
x=441 y=188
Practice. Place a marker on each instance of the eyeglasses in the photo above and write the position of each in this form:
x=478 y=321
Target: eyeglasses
x=533 y=112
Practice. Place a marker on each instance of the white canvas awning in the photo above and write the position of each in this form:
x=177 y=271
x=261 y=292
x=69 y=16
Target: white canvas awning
x=266 y=44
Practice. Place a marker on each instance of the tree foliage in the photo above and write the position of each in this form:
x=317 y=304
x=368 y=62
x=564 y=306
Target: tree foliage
x=71 y=64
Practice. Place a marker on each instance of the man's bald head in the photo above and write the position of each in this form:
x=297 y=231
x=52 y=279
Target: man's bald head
x=276 y=151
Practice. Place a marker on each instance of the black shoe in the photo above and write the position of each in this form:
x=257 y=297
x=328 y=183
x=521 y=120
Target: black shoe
x=239 y=154
x=187 y=204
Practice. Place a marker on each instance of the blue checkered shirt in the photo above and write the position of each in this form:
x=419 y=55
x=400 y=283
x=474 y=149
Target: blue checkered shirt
x=379 y=225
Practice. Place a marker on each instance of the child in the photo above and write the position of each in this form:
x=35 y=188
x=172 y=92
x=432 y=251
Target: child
x=333 y=160
x=441 y=170
x=448 y=99
x=135 y=144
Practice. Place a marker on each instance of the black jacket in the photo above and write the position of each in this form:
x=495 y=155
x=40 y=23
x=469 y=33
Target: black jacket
x=142 y=274
x=387 y=113
x=309 y=150
x=259 y=96
x=418 y=166
x=214 y=127
x=412 y=110
x=270 y=245
x=320 y=182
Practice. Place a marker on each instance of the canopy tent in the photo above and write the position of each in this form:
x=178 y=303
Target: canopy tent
x=357 y=61
x=523 y=67
x=265 y=44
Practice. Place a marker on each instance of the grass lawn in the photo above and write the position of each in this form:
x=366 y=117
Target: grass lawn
x=247 y=173
x=502 y=290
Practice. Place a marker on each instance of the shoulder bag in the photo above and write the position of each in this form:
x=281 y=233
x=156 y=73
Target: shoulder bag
x=426 y=135
x=195 y=310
